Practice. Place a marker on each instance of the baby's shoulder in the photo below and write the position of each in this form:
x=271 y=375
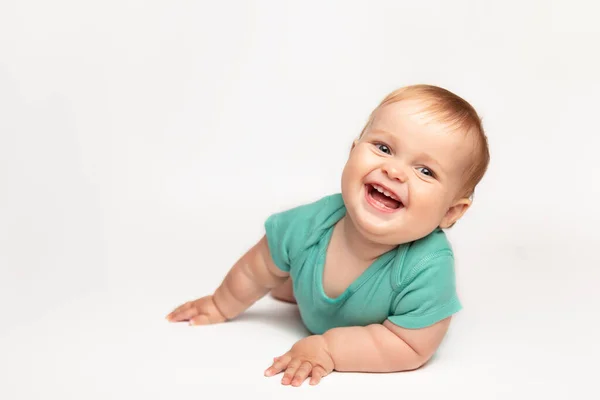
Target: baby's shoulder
x=433 y=251
x=304 y=224
x=434 y=243
x=315 y=209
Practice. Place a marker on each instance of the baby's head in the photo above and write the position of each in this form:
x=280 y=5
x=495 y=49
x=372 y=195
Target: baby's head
x=415 y=166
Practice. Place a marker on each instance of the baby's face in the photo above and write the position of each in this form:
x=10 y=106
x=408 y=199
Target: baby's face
x=403 y=176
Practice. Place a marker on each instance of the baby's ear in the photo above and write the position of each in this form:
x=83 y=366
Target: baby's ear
x=454 y=213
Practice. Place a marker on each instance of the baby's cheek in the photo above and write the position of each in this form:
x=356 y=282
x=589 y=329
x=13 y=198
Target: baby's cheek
x=428 y=207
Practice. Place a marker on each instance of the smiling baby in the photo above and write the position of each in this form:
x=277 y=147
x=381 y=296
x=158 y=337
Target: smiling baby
x=370 y=268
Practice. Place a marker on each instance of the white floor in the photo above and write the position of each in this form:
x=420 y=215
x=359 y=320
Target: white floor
x=518 y=336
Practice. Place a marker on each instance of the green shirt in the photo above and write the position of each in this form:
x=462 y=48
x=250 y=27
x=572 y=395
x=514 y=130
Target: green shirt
x=412 y=285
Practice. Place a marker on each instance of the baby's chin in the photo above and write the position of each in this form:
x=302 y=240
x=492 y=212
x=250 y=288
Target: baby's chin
x=389 y=232
x=381 y=232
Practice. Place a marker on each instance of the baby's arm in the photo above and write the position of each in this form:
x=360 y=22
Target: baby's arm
x=383 y=347
x=252 y=276
x=374 y=348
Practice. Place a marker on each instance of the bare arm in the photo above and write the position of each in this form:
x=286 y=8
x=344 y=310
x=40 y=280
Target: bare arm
x=373 y=348
x=251 y=277
x=383 y=347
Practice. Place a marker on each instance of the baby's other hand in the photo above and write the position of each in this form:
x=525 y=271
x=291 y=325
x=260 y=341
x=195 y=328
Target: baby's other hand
x=308 y=357
x=198 y=312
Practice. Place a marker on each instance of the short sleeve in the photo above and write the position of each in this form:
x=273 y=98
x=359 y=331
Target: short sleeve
x=279 y=230
x=428 y=294
x=289 y=232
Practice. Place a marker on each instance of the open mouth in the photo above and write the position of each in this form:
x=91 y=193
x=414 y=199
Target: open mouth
x=381 y=198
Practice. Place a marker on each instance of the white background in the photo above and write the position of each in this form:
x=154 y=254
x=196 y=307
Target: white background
x=143 y=144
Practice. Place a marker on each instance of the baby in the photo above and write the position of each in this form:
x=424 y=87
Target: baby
x=370 y=268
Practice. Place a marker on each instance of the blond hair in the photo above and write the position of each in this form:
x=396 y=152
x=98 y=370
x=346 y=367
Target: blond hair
x=448 y=108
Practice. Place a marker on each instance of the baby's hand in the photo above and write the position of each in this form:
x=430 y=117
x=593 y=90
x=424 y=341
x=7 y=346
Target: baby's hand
x=198 y=312
x=308 y=356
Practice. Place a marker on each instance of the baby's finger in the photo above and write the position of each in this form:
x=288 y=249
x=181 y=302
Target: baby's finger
x=177 y=310
x=302 y=373
x=279 y=364
x=317 y=373
x=201 y=319
x=185 y=314
x=290 y=371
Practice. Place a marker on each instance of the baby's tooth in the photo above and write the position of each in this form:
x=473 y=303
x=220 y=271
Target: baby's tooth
x=382 y=190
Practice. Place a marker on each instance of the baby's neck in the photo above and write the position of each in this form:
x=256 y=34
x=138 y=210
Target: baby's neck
x=357 y=245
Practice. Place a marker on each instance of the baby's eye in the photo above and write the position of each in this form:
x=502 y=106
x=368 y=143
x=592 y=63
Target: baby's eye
x=382 y=147
x=426 y=171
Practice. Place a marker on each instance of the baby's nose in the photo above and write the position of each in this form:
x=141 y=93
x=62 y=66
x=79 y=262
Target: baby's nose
x=395 y=173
